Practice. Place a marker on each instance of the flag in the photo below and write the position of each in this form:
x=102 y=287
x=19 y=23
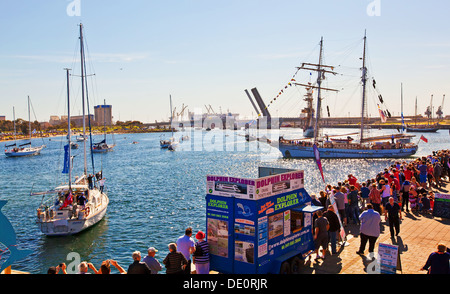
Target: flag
x=319 y=164
x=342 y=230
x=382 y=116
x=69 y=200
x=66 y=159
x=424 y=139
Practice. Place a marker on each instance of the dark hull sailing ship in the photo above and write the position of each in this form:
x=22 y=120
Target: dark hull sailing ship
x=366 y=147
x=428 y=128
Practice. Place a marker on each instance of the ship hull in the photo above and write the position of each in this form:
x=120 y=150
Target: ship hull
x=73 y=226
x=26 y=152
x=294 y=151
x=422 y=130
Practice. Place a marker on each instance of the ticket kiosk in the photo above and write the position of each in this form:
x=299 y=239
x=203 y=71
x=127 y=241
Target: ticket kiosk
x=259 y=226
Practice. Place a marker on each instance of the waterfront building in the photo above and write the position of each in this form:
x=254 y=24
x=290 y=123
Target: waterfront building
x=103 y=115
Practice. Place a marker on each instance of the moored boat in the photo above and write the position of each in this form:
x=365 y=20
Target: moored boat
x=344 y=148
x=25 y=149
x=76 y=205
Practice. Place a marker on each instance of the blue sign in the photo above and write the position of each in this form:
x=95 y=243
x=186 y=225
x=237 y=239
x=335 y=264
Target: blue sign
x=8 y=239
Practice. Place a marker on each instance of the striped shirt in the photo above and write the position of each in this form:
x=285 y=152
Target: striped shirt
x=204 y=251
x=174 y=261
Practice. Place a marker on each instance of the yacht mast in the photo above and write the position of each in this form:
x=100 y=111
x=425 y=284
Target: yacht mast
x=82 y=95
x=29 y=118
x=69 y=129
x=401 y=93
x=363 y=79
x=14 y=120
x=171 y=114
x=104 y=118
x=415 y=113
x=319 y=100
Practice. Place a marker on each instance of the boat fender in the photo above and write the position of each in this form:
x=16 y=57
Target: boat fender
x=87 y=211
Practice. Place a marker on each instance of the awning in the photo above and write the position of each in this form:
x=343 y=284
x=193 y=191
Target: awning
x=308 y=208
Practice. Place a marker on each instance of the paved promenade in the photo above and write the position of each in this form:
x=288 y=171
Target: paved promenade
x=419 y=236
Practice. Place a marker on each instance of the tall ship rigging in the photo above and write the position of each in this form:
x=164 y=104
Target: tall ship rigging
x=367 y=147
x=429 y=127
x=308 y=111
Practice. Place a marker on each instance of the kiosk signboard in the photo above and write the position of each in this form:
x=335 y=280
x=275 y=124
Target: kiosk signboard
x=441 y=205
x=254 y=188
x=249 y=231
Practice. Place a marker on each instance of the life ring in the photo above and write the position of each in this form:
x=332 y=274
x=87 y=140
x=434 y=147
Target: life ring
x=87 y=211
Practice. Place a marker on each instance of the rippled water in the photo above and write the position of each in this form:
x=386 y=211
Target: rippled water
x=154 y=194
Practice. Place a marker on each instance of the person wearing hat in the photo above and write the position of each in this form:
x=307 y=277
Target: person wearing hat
x=151 y=261
x=201 y=254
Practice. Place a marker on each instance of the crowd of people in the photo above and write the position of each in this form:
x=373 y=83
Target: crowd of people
x=182 y=254
x=398 y=188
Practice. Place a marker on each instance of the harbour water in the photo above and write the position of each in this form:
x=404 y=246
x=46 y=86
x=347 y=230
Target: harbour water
x=155 y=194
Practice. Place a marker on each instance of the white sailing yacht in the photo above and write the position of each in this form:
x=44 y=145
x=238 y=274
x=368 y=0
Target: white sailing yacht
x=170 y=144
x=103 y=147
x=14 y=150
x=80 y=203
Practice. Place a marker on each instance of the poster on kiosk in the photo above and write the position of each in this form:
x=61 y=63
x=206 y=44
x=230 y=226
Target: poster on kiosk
x=252 y=224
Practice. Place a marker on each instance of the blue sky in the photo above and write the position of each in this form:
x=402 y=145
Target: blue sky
x=208 y=52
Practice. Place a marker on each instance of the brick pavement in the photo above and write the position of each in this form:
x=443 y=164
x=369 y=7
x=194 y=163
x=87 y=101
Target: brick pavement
x=419 y=236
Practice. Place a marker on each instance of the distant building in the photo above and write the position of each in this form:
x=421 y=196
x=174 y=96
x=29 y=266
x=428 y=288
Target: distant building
x=54 y=120
x=75 y=120
x=103 y=115
x=78 y=120
x=2 y=117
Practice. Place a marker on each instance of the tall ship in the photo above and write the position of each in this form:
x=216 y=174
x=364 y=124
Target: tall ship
x=392 y=146
x=421 y=128
x=81 y=202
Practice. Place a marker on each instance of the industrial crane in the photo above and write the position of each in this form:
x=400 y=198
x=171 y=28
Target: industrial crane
x=439 y=112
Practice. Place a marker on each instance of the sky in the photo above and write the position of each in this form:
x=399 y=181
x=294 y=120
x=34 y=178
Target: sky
x=207 y=52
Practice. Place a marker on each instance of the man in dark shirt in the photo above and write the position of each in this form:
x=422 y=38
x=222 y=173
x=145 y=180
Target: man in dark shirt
x=393 y=213
x=321 y=227
x=138 y=267
x=438 y=262
x=333 y=221
x=353 y=204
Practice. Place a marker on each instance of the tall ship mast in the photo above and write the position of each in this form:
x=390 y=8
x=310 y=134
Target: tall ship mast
x=391 y=146
x=428 y=128
x=312 y=126
x=308 y=128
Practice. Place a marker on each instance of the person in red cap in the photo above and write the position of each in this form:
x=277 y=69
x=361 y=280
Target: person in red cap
x=201 y=254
